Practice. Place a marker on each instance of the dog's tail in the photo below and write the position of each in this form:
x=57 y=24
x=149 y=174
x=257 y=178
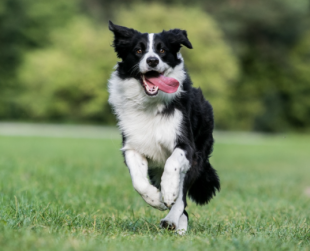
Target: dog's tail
x=205 y=186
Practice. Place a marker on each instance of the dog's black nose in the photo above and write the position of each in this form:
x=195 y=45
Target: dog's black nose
x=152 y=61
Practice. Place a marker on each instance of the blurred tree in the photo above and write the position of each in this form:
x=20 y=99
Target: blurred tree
x=71 y=82
x=298 y=108
x=24 y=25
x=269 y=38
x=82 y=60
x=262 y=34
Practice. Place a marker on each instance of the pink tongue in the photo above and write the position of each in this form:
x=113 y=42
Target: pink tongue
x=165 y=84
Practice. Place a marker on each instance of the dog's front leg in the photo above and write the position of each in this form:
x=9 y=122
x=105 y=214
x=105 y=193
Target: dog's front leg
x=172 y=179
x=172 y=183
x=138 y=165
x=176 y=218
x=172 y=190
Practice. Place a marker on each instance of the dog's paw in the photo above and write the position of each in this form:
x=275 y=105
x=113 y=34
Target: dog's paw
x=160 y=206
x=169 y=196
x=167 y=224
x=170 y=222
x=183 y=222
x=152 y=196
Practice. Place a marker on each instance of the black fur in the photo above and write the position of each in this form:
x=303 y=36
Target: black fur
x=201 y=181
x=127 y=41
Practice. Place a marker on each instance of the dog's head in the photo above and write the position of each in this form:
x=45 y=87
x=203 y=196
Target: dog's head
x=153 y=59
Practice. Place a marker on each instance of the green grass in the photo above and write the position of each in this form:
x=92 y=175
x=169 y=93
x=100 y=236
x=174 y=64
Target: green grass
x=76 y=194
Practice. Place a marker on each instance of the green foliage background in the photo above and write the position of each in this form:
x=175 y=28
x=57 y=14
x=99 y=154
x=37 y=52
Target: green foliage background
x=69 y=77
x=82 y=60
x=24 y=26
x=250 y=59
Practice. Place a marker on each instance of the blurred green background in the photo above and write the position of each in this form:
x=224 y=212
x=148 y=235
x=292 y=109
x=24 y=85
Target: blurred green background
x=250 y=58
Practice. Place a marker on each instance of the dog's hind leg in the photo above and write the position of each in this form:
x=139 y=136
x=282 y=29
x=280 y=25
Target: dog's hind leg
x=138 y=166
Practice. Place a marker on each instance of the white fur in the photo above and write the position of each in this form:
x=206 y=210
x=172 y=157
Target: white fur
x=138 y=165
x=153 y=136
x=172 y=189
x=173 y=217
x=175 y=169
x=183 y=222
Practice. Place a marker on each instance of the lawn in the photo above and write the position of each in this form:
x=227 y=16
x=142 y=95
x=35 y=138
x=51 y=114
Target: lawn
x=76 y=194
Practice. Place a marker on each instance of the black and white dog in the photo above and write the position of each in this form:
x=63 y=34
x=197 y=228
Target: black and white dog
x=166 y=124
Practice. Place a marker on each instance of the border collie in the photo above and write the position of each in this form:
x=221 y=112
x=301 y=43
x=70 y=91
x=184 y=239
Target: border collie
x=166 y=124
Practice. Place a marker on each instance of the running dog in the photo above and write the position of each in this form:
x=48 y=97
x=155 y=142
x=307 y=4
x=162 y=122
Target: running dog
x=166 y=124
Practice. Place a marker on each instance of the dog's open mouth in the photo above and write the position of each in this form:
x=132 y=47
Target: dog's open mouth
x=153 y=81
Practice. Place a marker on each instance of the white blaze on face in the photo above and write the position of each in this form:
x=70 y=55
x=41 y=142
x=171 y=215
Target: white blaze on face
x=150 y=52
x=150 y=48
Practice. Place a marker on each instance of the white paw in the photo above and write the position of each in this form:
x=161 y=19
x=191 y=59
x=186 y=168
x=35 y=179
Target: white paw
x=181 y=231
x=171 y=222
x=169 y=196
x=183 y=222
x=152 y=196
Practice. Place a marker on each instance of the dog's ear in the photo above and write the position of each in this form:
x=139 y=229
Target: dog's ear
x=122 y=38
x=177 y=37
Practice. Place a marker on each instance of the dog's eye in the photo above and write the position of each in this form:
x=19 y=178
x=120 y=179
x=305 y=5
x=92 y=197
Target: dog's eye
x=162 y=51
x=139 y=51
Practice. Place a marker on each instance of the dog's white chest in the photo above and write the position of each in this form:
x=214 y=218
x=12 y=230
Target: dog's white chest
x=154 y=136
